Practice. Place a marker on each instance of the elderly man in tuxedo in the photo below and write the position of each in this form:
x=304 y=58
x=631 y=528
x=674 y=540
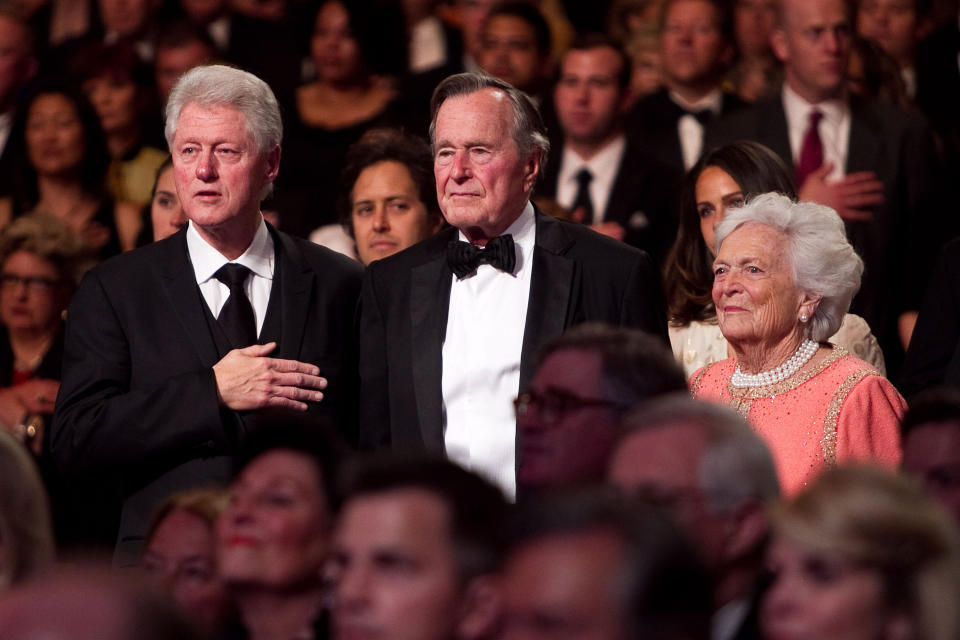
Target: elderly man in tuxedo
x=172 y=350
x=452 y=325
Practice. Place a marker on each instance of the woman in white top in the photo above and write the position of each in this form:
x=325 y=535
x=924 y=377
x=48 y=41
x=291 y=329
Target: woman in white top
x=725 y=178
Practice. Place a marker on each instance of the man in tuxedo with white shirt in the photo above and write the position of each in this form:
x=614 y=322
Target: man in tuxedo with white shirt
x=870 y=161
x=451 y=326
x=600 y=176
x=173 y=350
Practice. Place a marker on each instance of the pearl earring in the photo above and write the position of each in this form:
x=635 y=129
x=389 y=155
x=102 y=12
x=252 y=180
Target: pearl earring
x=803 y=317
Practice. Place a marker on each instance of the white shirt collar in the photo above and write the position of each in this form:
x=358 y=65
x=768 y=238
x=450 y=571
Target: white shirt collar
x=797 y=109
x=259 y=256
x=712 y=101
x=524 y=232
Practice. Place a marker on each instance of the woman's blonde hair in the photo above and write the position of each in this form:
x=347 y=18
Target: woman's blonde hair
x=883 y=521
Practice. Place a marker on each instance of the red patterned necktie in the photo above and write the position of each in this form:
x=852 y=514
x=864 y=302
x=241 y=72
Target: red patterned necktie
x=811 y=152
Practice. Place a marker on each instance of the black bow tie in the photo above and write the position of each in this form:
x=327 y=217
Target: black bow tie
x=703 y=116
x=464 y=258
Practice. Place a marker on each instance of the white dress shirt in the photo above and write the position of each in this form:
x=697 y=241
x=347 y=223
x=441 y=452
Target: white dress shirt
x=689 y=129
x=481 y=361
x=259 y=258
x=834 y=129
x=603 y=165
x=428 y=46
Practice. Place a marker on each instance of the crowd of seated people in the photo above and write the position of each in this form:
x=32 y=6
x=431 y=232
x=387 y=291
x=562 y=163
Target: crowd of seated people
x=721 y=327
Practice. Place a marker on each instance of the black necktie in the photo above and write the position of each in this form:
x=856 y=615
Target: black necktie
x=236 y=317
x=583 y=200
x=464 y=258
x=703 y=116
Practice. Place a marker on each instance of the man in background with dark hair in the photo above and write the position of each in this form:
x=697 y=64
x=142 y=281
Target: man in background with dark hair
x=931 y=445
x=515 y=47
x=600 y=176
x=587 y=380
x=416 y=543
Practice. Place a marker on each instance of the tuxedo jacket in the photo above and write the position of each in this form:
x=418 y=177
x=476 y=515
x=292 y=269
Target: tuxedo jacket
x=898 y=245
x=652 y=124
x=578 y=276
x=642 y=199
x=138 y=394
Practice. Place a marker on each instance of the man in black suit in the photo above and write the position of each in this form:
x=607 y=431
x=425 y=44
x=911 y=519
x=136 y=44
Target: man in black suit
x=166 y=365
x=696 y=49
x=874 y=164
x=451 y=327
x=600 y=176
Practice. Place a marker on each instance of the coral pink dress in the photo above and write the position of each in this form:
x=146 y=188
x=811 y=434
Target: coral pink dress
x=841 y=410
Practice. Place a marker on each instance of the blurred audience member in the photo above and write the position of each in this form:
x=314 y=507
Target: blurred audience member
x=931 y=445
x=647 y=64
x=628 y=19
x=515 y=47
x=120 y=88
x=90 y=603
x=587 y=565
x=353 y=93
x=26 y=537
x=601 y=177
x=871 y=162
x=129 y=21
x=862 y=555
x=872 y=74
x=181 y=46
x=180 y=554
x=388 y=197
x=587 y=379
x=274 y=535
x=784 y=275
x=17 y=66
x=897 y=26
x=726 y=178
x=416 y=544
x=716 y=477
x=755 y=74
x=59 y=134
x=163 y=215
x=41 y=261
x=429 y=39
x=696 y=49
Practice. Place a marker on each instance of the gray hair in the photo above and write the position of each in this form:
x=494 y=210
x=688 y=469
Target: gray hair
x=736 y=465
x=220 y=85
x=823 y=261
x=529 y=132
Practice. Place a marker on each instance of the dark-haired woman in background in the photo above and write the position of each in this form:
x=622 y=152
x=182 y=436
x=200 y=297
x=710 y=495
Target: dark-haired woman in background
x=63 y=169
x=726 y=178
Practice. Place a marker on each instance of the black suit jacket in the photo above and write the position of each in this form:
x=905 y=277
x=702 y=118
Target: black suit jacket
x=642 y=199
x=138 y=393
x=898 y=244
x=578 y=276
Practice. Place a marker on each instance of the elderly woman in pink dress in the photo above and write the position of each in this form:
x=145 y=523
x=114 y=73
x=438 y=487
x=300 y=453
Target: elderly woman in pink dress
x=784 y=275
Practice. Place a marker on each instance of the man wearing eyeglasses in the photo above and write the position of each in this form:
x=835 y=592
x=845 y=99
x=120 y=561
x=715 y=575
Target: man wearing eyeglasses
x=587 y=380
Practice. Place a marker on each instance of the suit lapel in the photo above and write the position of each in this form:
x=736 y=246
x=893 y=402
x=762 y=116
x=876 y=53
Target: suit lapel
x=863 y=147
x=550 y=290
x=774 y=132
x=429 y=307
x=296 y=285
x=179 y=284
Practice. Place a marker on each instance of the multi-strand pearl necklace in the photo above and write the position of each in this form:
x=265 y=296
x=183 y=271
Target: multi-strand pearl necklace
x=802 y=355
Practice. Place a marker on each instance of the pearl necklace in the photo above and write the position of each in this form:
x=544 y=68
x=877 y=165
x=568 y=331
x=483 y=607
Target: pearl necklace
x=802 y=355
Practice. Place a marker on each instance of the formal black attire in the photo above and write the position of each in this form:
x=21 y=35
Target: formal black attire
x=138 y=393
x=578 y=276
x=897 y=245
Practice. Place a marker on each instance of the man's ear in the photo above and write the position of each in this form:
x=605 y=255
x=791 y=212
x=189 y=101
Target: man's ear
x=778 y=43
x=481 y=609
x=747 y=529
x=531 y=169
x=273 y=163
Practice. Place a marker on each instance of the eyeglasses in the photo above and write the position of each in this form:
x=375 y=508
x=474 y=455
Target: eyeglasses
x=552 y=404
x=34 y=284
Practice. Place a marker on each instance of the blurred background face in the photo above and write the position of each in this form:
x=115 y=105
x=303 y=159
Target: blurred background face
x=166 y=214
x=893 y=24
x=588 y=96
x=931 y=453
x=814 y=46
x=388 y=215
x=753 y=21
x=333 y=48
x=509 y=51
x=819 y=596
x=172 y=62
x=125 y=17
x=274 y=532
x=54 y=135
x=181 y=557
x=30 y=293
x=691 y=42
x=15 y=62
x=647 y=75
x=472 y=14
x=716 y=192
x=115 y=100
x=203 y=11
